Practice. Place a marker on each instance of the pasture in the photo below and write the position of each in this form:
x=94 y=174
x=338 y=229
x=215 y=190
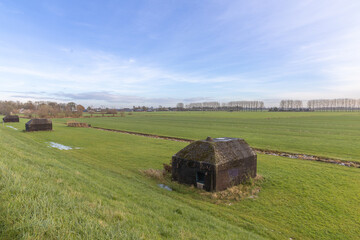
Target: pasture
x=327 y=134
x=99 y=192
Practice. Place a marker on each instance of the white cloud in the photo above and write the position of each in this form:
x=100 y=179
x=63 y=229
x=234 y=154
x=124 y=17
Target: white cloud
x=86 y=70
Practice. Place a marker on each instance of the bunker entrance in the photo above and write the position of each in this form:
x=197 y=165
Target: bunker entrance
x=200 y=180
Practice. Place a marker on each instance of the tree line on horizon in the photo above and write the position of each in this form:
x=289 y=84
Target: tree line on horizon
x=341 y=104
x=41 y=109
x=230 y=106
x=71 y=109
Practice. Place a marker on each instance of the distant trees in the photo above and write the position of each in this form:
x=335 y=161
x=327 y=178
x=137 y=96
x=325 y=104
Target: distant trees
x=230 y=106
x=80 y=108
x=195 y=106
x=211 y=105
x=203 y=106
x=143 y=108
x=71 y=109
x=45 y=110
x=180 y=106
x=111 y=111
x=71 y=106
x=342 y=104
x=6 y=107
x=287 y=105
x=245 y=105
x=29 y=106
x=42 y=108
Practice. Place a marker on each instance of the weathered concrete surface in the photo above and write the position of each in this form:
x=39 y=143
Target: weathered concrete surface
x=11 y=118
x=215 y=164
x=38 y=124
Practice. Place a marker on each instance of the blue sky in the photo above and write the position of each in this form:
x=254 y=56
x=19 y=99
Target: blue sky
x=125 y=53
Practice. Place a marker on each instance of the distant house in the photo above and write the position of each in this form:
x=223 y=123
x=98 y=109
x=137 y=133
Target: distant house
x=38 y=124
x=214 y=164
x=11 y=118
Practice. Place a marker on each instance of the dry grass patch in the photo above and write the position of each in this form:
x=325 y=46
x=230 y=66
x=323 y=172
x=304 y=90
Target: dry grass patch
x=157 y=174
x=249 y=189
x=77 y=124
x=239 y=192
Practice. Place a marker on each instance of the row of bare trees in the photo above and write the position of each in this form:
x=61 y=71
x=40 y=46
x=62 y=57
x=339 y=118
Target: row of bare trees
x=291 y=104
x=341 y=104
x=41 y=109
x=230 y=106
x=244 y=105
x=204 y=106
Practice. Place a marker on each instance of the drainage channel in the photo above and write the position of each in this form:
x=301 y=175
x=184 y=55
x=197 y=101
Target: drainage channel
x=146 y=135
x=261 y=151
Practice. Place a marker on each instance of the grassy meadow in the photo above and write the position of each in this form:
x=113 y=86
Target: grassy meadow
x=99 y=192
x=328 y=134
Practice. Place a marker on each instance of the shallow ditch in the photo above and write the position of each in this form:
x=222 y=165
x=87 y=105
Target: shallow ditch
x=146 y=135
x=309 y=157
x=261 y=151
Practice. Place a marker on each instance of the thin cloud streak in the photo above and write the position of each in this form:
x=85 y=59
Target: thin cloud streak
x=104 y=96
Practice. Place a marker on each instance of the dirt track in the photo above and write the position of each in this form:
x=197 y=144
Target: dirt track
x=261 y=151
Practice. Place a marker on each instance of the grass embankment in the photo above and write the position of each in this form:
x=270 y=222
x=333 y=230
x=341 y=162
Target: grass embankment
x=99 y=192
x=327 y=134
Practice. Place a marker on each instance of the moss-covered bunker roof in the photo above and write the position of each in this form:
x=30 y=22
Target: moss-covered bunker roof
x=39 y=121
x=11 y=117
x=216 y=151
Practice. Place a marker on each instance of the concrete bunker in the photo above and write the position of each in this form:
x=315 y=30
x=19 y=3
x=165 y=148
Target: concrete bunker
x=38 y=124
x=214 y=164
x=11 y=118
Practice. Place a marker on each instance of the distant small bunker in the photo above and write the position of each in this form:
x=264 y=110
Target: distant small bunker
x=38 y=124
x=78 y=124
x=214 y=164
x=11 y=118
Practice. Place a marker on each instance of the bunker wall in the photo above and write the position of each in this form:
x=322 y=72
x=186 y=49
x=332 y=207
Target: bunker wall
x=187 y=172
x=234 y=173
x=12 y=118
x=38 y=127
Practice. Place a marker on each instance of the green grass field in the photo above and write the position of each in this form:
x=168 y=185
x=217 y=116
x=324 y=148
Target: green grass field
x=99 y=192
x=328 y=134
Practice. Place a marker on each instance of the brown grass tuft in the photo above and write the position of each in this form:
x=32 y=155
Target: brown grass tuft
x=154 y=173
x=77 y=124
x=167 y=167
x=249 y=189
